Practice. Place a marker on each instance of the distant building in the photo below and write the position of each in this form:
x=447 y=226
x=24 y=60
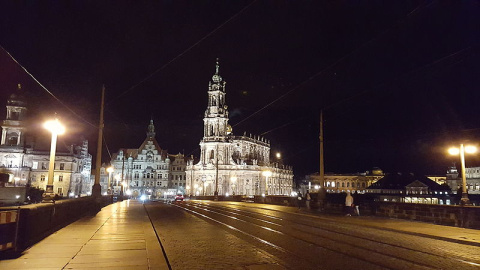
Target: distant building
x=233 y=164
x=144 y=171
x=338 y=183
x=409 y=188
x=472 y=174
x=29 y=167
x=178 y=176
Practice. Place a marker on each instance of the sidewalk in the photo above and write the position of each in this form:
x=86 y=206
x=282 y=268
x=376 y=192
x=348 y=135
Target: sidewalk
x=120 y=236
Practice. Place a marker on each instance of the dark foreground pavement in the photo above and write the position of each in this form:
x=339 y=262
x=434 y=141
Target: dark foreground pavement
x=120 y=236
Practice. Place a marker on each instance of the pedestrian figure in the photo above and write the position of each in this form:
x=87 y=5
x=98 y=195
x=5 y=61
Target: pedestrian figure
x=299 y=199
x=349 y=204
x=357 y=210
x=308 y=198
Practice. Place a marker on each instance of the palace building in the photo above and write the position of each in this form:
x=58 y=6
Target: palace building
x=143 y=171
x=28 y=166
x=232 y=164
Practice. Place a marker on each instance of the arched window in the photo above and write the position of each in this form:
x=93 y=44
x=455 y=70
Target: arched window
x=343 y=184
x=212 y=154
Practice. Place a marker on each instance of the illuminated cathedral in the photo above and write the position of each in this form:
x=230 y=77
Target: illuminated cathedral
x=230 y=164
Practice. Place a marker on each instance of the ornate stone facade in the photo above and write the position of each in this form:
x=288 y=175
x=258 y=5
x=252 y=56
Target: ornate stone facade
x=233 y=164
x=472 y=174
x=29 y=166
x=144 y=171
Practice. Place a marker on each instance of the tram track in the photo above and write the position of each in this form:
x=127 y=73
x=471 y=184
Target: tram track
x=334 y=238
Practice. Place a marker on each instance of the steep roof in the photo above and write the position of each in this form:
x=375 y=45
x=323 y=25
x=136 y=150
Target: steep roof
x=402 y=180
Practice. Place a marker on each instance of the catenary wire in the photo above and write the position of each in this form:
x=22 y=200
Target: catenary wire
x=415 y=11
x=48 y=91
x=184 y=52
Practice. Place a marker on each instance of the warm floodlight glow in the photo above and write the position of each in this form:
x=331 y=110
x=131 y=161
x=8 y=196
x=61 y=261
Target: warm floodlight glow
x=267 y=173
x=129 y=192
x=54 y=126
x=195 y=186
x=279 y=155
x=233 y=179
x=470 y=149
x=188 y=187
x=454 y=151
x=110 y=169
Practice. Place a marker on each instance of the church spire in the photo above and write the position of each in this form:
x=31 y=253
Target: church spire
x=216 y=114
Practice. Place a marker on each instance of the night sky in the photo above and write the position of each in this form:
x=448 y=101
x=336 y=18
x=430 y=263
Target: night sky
x=399 y=81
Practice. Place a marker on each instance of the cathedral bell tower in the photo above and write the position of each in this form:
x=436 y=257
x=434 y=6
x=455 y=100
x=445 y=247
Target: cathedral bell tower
x=216 y=130
x=13 y=127
x=216 y=126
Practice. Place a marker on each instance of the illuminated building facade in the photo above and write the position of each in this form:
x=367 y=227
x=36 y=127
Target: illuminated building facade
x=29 y=167
x=410 y=188
x=472 y=174
x=232 y=164
x=338 y=183
x=145 y=171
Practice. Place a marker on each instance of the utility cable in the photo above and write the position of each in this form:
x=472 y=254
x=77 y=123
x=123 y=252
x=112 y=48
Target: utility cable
x=185 y=51
x=48 y=91
x=416 y=10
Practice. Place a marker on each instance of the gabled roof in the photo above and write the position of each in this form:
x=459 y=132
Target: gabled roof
x=416 y=183
x=402 y=180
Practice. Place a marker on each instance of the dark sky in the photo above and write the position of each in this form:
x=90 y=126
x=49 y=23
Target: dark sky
x=399 y=81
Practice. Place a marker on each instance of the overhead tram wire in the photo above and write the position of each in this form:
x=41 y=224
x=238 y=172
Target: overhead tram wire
x=48 y=91
x=184 y=52
x=418 y=69
x=431 y=64
x=414 y=11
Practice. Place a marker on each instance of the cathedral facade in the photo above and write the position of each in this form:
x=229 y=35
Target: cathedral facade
x=27 y=166
x=232 y=164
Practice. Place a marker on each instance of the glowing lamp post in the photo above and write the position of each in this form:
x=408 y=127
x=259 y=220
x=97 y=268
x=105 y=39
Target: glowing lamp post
x=56 y=129
x=462 y=150
x=266 y=174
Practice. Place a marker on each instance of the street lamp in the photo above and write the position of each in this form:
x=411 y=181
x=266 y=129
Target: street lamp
x=234 y=180
x=109 y=185
x=455 y=151
x=266 y=174
x=56 y=129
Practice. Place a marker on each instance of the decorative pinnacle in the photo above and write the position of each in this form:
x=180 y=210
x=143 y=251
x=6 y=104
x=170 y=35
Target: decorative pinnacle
x=217 y=67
